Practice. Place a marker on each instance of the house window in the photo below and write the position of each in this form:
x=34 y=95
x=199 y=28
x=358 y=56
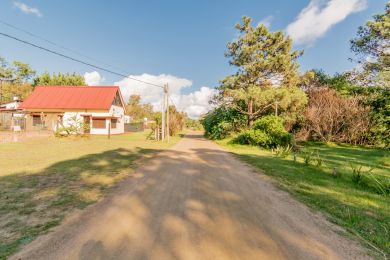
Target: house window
x=37 y=120
x=113 y=122
x=99 y=123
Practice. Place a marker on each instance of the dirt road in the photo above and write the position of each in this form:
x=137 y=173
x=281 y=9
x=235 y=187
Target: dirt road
x=195 y=201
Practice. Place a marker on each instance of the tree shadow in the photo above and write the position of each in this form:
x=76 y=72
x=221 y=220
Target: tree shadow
x=195 y=203
x=33 y=202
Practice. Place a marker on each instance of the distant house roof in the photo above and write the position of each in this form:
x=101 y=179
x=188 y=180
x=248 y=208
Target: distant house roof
x=71 y=97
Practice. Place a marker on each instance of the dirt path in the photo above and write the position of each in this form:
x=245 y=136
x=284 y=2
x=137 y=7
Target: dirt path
x=195 y=201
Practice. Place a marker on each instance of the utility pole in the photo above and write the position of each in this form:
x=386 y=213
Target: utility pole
x=167 y=98
x=163 y=117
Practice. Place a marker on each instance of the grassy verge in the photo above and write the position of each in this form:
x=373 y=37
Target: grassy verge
x=356 y=206
x=42 y=180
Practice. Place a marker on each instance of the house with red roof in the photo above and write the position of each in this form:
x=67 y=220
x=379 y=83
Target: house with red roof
x=100 y=108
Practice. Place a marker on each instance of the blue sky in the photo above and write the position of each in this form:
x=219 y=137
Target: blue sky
x=182 y=42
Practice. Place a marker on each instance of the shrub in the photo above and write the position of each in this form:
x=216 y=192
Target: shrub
x=253 y=137
x=381 y=186
x=222 y=122
x=307 y=156
x=75 y=126
x=267 y=132
x=332 y=117
x=283 y=151
x=358 y=171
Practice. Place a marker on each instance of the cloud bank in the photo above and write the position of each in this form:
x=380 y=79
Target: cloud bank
x=316 y=19
x=93 y=78
x=194 y=104
x=27 y=9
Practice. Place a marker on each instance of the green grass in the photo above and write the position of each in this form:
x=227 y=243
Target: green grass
x=42 y=180
x=358 y=207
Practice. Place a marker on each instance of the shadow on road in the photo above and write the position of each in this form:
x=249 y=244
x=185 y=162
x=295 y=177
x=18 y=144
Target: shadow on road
x=193 y=202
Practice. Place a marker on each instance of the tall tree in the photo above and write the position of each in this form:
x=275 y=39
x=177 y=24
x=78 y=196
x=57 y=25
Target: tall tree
x=18 y=72
x=6 y=71
x=266 y=71
x=22 y=72
x=63 y=79
x=14 y=80
x=372 y=45
x=137 y=110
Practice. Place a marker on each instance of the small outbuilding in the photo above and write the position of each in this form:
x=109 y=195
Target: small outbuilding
x=11 y=116
x=100 y=108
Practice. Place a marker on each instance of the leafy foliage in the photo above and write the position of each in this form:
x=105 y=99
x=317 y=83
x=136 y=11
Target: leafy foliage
x=17 y=73
x=59 y=79
x=372 y=46
x=74 y=126
x=139 y=111
x=282 y=151
x=267 y=132
x=193 y=124
x=14 y=80
x=222 y=122
x=358 y=172
x=176 y=120
x=267 y=68
x=10 y=90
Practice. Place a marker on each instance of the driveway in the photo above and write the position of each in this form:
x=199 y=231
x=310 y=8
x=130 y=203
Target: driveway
x=195 y=201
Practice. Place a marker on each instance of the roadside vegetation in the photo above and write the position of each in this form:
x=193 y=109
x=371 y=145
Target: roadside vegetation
x=324 y=176
x=44 y=179
x=324 y=138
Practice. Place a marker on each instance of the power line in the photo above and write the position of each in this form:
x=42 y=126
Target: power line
x=77 y=60
x=58 y=45
x=173 y=102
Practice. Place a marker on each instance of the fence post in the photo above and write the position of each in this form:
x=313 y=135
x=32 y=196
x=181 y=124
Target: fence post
x=109 y=129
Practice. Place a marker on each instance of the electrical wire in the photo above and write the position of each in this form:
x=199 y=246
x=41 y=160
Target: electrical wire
x=58 y=45
x=77 y=60
x=172 y=102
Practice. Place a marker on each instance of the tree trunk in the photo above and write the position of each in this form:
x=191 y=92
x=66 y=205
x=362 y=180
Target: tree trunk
x=250 y=114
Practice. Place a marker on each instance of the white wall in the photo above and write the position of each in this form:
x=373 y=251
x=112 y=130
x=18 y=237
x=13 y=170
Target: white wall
x=120 y=114
x=11 y=105
x=114 y=111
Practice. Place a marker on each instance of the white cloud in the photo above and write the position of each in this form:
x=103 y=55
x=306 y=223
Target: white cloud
x=93 y=78
x=27 y=9
x=319 y=17
x=194 y=104
x=267 y=20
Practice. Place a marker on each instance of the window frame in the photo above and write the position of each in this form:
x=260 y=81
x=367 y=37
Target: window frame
x=98 y=126
x=34 y=120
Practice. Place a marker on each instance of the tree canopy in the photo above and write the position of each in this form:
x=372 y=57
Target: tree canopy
x=14 y=80
x=266 y=76
x=64 y=79
x=372 y=45
x=16 y=72
x=137 y=110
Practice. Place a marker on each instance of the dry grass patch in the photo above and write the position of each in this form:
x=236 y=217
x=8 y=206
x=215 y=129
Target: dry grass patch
x=43 y=180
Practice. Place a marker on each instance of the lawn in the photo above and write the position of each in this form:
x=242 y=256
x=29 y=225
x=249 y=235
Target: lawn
x=44 y=179
x=361 y=208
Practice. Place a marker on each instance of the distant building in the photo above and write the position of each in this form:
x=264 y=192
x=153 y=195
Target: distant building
x=101 y=108
x=11 y=115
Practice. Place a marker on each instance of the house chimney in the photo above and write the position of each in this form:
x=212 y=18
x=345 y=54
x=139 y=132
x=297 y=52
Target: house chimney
x=16 y=98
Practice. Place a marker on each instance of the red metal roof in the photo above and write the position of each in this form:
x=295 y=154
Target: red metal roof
x=71 y=97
